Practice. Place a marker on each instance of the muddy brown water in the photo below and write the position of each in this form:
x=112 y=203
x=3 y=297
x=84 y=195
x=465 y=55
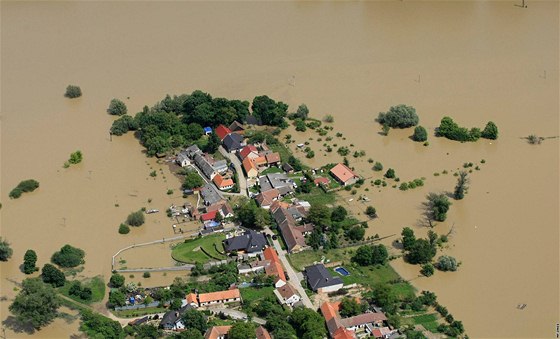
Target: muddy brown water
x=474 y=61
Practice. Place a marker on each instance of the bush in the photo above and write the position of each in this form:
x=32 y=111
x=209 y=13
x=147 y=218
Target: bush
x=446 y=263
x=116 y=280
x=450 y=130
x=390 y=173
x=68 y=256
x=29 y=262
x=328 y=118
x=24 y=186
x=124 y=229
x=135 y=219
x=75 y=157
x=490 y=131
x=400 y=116
x=300 y=125
x=117 y=107
x=403 y=186
x=5 y=250
x=371 y=212
x=420 y=134
x=123 y=124
x=146 y=275
x=52 y=275
x=427 y=270
x=73 y=91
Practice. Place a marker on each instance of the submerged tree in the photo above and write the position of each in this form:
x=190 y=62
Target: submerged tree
x=437 y=206
x=117 y=107
x=5 y=250
x=73 y=91
x=36 y=304
x=462 y=186
x=29 y=262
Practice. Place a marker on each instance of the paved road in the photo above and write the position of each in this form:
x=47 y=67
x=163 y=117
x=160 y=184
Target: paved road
x=294 y=280
x=237 y=315
x=237 y=164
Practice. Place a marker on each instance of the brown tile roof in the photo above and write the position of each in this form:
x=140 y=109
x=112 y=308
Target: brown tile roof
x=343 y=173
x=220 y=295
x=262 y=333
x=362 y=319
x=260 y=161
x=328 y=311
x=272 y=158
x=216 y=331
x=287 y=291
x=266 y=198
x=275 y=269
x=270 y=254
x=321 y=180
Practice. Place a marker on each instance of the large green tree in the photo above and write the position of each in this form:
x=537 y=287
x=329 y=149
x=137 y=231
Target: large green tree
x=462 y=185
x=421 y=252
x=29 y=262
x=117 y=107
x=36 y=304
x=269 y=111
x=5 y=250
x=242 y=331
x=193 y=180
x=52 y=275
x=400 y=116
x=350 y=307
x=408 y=238
x=319 y=215
x=96 y=325
x=438 y=205
x=68 y=256
x=308 y=323
x=490 y=131
x=195 y=319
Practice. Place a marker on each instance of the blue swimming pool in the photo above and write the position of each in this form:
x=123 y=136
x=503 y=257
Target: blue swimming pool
x=342 y=271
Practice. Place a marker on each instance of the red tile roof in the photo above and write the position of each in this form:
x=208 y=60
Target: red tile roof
x=260 y=161
x=208 y=216
x=343 y=173
x=266 y=198
x=220 y=295
x=222 y=131
x=275 y=269
x=270 y=254
x=191 y=298
x=216 y=332
x=328 y=311
x=221 y=182
x=343 y=333
x=321 y=180
x=245 y=151
x=248 y=164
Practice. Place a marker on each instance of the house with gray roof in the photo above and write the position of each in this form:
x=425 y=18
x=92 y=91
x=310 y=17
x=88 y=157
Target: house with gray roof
x=220 y=166
x=251 y=242
x=183 y=159
x=210 y=194
x=279 y=181
x=233 y=142
x=320 y=279
x=192 y=150
x=203 y=164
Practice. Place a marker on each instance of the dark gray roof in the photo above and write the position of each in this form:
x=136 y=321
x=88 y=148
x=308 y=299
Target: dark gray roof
x=204 y=165
x=210 y=194
x=236 y=126
x=287 y=167
x=249 y=242
x=170 y=318
x=253 y=120
x=232 y=142
x=279 y=181
x=318 y=276
x=220 y=166
x=192 y=150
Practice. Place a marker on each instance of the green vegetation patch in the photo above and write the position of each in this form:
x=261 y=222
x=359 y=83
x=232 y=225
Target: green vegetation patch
x=318 y=197
x=139 y=312
x=96 y=284
x=253 y=294
x=191 y=252
x=429 y=321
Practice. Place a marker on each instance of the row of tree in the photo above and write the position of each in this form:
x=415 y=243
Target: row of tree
x=451 y=130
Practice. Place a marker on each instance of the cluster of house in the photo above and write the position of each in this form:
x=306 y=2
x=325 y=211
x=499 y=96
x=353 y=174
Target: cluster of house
x=215 y=170
x=221 y=332
x=257 y=159
x=365 y=324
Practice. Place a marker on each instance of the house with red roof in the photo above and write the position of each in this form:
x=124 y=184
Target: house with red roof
x=250 y=168
x=223 y=183
x=208 y=216
x=344 y=175
x=222 y=131
x=321 y=181
x=250 y=151
x=273 y=159
x=369 y=323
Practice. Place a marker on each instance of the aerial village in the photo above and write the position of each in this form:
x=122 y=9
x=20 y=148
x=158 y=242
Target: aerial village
x=259 y=174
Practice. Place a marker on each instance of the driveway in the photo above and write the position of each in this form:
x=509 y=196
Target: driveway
x=237 y=164
x=292 y=274
x=236 y=314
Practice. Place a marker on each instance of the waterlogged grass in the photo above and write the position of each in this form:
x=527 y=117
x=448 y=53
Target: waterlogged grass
x=96 y=284
x=189 y=252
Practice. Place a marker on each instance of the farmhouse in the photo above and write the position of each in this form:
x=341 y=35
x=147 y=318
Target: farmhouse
x=221 y=297
x=344 y=175
x=222 y=183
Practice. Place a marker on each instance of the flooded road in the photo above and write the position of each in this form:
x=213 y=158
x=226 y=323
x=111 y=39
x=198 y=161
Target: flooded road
x=474 y=61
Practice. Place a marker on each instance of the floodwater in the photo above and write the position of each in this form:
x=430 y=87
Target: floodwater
x=474 y=61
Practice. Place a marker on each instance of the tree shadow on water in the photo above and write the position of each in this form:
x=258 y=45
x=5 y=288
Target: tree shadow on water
x=15 y=325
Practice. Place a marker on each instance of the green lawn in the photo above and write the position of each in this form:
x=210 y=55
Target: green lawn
x=189 y=252
x=282 y=150
x=429 y=321
x=96 y=284
x=253 y=294
x=318 y=197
